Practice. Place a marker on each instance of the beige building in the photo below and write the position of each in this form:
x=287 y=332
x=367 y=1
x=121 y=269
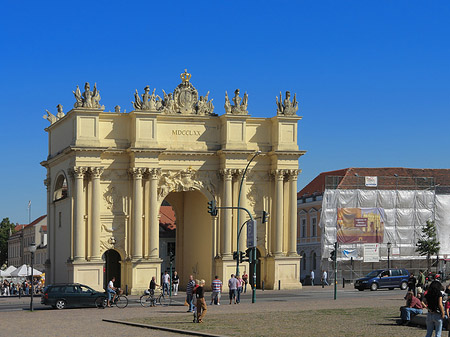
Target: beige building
x=109 y=172
x=19 y=242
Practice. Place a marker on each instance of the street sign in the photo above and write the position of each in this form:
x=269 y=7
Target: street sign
x=251 y=233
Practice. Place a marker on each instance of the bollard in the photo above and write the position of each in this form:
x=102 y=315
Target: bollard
x=279 y=284
x=262 y=285
x=126 y=289
x=343 y=282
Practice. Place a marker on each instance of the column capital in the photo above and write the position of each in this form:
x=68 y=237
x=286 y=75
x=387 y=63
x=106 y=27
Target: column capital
x=278 y=174
x=78 y=172
x=227 y=173
x=47 y=182
x=136 y=172
x=153 y=173
x=293 y=174
x=96 y=172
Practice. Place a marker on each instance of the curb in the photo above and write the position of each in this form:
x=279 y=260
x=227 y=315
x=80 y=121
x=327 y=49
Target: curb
x=146 y=326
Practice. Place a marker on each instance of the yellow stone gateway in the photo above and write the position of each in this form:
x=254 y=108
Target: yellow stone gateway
x=109 y=172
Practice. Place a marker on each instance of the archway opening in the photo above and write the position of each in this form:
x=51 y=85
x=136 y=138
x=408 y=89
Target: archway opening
x=193 y=243
x=112 y=267
x=167 y=236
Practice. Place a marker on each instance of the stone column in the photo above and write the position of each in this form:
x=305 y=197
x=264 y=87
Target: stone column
x=243 y=214
x=227 y=200
x=154 y=215
x=50 y=261
x=293 y=213
x=79 y=230
x=137 y=213
x=96 y=207
x=279 y=193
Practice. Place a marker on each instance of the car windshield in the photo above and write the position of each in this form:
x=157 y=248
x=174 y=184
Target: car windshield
x=373 y=273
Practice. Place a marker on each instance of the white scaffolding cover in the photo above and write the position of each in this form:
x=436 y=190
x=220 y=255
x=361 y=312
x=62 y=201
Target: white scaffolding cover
x=406 y=213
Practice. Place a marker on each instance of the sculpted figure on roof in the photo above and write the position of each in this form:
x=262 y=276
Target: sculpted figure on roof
x=286 y=107
x=89 y=99
x=240 y=104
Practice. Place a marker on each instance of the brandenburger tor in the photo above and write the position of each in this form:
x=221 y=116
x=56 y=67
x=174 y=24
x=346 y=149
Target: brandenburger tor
x=109 y=172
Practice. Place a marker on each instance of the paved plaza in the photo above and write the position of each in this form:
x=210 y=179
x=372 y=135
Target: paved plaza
x=89 y=321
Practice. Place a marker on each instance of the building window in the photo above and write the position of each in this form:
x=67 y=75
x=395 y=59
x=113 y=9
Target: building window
x=303 y=227
x=59 y=219
x=314 y=227
x=304 y=261
x=314 y=259
x=60 y=188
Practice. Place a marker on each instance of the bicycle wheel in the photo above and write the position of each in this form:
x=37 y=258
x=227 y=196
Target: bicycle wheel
x=162 y=300
x=121 y=301
x=100 y=302
x=146 y=300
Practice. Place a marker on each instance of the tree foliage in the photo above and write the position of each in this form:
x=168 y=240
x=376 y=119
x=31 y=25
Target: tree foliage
x=6 y=227
x=428 y=245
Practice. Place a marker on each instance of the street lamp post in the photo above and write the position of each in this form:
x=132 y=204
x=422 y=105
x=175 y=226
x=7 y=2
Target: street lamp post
x=389 y=254
x=32 y=250
x=239 y=205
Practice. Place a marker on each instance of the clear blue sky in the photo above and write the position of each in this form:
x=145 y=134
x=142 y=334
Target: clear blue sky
x=372 y=77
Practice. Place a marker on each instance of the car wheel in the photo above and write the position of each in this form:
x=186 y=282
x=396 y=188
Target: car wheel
x=60 y=304
x=101 y=302
x=361 y=289
x=373 y=286
x=403 y=286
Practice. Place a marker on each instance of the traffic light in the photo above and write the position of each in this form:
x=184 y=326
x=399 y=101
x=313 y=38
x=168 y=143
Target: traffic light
x=249 y=254
x=332 y=255
x=264 y=217
x=235 y=255
x=212 y=209
x=241 y=257
x=172 y=257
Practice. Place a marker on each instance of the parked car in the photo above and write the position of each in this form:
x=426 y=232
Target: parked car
x=65 y=295
x=383 y=278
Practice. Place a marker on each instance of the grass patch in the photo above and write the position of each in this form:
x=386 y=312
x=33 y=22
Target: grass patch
x=326 y=322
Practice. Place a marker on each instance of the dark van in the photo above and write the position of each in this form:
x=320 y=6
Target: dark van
x=383 y=278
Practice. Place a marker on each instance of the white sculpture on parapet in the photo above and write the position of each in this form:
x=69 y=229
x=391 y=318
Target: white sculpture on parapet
x=287 y=107
x=149 y=102
x=89 y=99
x=51 y=117
x=239 y=108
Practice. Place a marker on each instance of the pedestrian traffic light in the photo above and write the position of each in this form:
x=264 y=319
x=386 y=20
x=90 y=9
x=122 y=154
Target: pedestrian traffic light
x=235 y=255
x=332 y=255
x=212 y=209
x=264 y=217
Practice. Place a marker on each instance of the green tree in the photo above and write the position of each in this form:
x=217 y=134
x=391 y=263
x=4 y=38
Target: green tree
x=428 y=245
x=6 y=228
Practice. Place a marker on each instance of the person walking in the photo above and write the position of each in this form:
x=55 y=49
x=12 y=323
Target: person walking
x=432 y=300
x=232 y=286
x=166 y=282
x=420 y=284
x=216 y=287
x=175 y=282
x=245 y=279
x=412 y=283
x=201 y=304
x=312 y=277
x=239 y=289
x=189 y=289
x=324 y=278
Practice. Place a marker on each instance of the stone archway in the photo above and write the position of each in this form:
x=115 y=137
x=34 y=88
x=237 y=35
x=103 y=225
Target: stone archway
x=112 y=267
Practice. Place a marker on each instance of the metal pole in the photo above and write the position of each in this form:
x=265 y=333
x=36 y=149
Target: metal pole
x=32 y=285
x=170 y=289
x=335 y=269
x=254 y=276
x=239 y=205
x=389 y=255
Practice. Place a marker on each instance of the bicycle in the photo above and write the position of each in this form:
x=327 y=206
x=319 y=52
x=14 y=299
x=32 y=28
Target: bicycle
x=121 y=301
x=150 y=300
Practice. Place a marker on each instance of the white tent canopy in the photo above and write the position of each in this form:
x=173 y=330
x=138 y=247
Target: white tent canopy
x=7 y=272
x=25 y=270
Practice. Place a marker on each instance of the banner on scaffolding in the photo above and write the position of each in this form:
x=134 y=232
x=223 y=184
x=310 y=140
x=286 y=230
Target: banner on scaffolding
x=371 y=252
x=360 y=225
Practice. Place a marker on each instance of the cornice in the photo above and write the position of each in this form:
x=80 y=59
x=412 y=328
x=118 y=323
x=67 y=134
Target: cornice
x=297 y=153
x=189 y=153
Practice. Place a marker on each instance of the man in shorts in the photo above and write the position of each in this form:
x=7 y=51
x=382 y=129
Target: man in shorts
x=216 y=290
x=232 y=286
x=111 y=290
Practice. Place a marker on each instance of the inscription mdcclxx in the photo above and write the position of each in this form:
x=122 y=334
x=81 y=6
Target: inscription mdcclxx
x=186 y=133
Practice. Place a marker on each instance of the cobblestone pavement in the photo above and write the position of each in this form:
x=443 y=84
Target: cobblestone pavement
x=88 y=321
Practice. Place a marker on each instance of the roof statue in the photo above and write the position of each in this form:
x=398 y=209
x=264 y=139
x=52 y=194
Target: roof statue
x=149 y=102
x=89 y=99
x=51 y=117
x=287 y=107
x=240 y=104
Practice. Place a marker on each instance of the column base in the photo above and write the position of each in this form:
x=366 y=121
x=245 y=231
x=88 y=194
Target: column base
x=86 y=272
x=285 y=269
x=139 y=273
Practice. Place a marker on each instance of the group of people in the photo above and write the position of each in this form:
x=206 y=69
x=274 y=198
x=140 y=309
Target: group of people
x=8 y=288
x=431 y=297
